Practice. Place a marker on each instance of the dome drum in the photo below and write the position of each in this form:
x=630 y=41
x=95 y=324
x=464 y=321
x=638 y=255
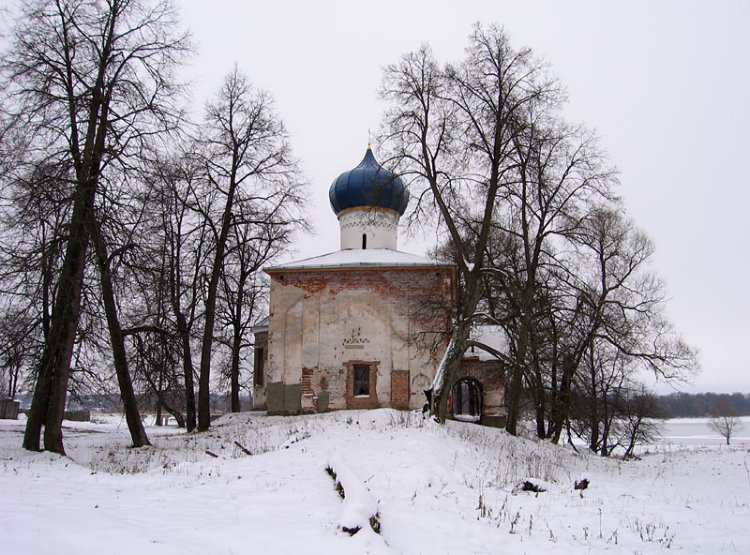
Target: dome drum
x=368 y=228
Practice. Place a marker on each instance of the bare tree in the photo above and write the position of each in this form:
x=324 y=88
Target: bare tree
x=15 y=329
x=34 y=211
x=560 y=175
x=452 y=132
x=181 y=245
x=105 y=262
x=615 y=312
x=725 y=421
x=242 y=289
x=247 y=161
x=640 y=410
x=90 y=82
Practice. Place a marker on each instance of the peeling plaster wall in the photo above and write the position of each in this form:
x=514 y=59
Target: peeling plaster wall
x=322 y=320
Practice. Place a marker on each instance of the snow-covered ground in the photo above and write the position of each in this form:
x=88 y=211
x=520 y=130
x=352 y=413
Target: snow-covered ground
x=438 y=489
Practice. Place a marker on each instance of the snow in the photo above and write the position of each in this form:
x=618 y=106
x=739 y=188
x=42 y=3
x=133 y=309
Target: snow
x=437 y=489
x=490 y=335
x=358 y=506
x=360 y=258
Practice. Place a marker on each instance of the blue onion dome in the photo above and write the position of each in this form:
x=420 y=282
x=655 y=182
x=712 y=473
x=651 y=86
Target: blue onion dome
x=368 y=185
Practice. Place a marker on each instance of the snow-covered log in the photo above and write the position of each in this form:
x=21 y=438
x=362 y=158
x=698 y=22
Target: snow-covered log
x=359 y=509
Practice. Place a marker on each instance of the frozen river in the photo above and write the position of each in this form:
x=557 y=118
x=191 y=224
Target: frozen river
x=697 y=431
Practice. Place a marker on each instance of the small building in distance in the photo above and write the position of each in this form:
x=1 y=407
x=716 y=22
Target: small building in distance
x=365 y=326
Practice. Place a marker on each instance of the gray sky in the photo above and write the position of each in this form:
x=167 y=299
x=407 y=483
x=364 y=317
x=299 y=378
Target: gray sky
x=664 y=83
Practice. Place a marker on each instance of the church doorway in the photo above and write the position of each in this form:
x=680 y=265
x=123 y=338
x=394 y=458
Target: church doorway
x=467 y=400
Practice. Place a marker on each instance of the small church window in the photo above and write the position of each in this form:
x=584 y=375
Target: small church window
x=364 y=240
x=361 y=380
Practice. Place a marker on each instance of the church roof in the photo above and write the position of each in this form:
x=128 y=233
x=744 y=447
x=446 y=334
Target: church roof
x=368 y=185
x=361 y=258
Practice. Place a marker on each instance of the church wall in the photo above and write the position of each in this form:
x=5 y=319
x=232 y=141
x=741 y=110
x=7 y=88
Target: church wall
x=325 y=322
x=284 y=356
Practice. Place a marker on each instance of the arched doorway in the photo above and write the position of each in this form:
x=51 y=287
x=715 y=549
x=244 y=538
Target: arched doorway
x=467 y=400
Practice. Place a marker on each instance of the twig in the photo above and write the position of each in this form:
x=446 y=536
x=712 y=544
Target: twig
x=244 y=450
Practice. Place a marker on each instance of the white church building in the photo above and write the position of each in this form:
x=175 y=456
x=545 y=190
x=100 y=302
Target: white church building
x=367 y=325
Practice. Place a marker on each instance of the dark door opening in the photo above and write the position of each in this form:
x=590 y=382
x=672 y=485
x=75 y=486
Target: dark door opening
x=467 y=400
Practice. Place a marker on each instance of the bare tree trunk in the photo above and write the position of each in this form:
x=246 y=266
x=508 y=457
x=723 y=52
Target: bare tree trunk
x=119 y=354
x=235 y=370
x=204 y=378
x=561 y=409
x=514 y=390
x=183 y=330
x=594 y=400
x=48 y=401
x=237 y=328
x=447 y=368
x=188 y=372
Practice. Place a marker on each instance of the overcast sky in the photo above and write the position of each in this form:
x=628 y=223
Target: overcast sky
x=665 y=84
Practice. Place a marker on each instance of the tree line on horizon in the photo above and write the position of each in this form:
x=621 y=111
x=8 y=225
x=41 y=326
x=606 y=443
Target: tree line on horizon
x=132 y=236
x=697 y=405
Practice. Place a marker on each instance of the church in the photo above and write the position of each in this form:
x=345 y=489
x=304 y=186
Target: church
x=365 y=326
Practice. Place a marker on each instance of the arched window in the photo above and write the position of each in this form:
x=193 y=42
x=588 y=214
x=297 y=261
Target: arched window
x=364 y=240
x=467 y=400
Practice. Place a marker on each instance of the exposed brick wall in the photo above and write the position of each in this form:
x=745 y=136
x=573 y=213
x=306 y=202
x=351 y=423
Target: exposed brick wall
x=307 y=375
x=400 y=393
x=430 y=287
x=308 y=400
x=491 y=373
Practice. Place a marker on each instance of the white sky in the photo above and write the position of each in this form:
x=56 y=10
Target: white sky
x=664 y=83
